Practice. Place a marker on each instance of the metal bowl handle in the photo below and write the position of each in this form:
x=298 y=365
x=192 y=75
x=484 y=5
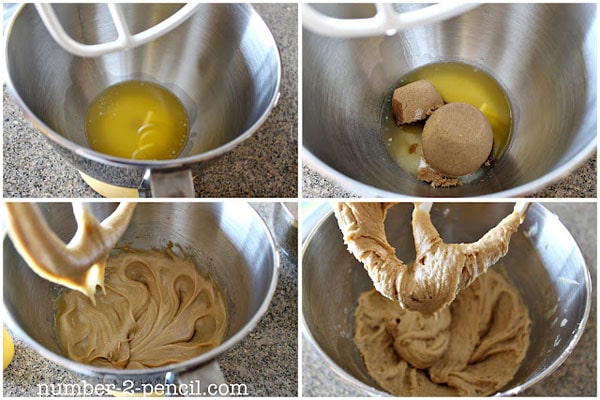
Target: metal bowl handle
x=159 y=183
x=386 y=20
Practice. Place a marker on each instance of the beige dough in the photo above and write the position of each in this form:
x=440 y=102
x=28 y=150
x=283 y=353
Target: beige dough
x=77 y=265
x=471 y=348
x=439 y=271
x=157 y=310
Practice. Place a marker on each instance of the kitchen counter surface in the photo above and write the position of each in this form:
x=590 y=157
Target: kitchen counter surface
x=266 y=361
x=576 y=377
x=580 y=183
x=265 y=165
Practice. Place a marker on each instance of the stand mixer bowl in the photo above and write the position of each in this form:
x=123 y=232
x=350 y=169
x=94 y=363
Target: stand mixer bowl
x=543 y=263
x=222 y=63
x=543 y=55
x=228 y=241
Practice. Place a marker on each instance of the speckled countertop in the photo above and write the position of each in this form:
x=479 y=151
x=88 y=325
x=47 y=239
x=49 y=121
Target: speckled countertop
x=582 y=183
x=265 y=165
x=266 y=361
x=576 y=377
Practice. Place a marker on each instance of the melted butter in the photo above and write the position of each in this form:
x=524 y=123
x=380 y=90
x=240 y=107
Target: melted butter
x=137 y=120
x=456 y=82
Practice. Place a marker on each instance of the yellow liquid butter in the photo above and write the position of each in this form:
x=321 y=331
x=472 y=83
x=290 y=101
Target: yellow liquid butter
x=137 y=120
x=456 y=82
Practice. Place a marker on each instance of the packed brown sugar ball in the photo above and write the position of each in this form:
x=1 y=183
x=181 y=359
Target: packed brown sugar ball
x=415 y=102
x=457 y=139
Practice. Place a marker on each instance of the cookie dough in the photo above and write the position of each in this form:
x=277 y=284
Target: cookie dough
x=440 y=270
x=157 y=310
x=471 y=348
x=457 y=139
x=415 y=101
x=78 y=265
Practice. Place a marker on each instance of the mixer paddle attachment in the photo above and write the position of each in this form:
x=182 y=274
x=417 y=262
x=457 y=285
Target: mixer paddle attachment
x=440 y=270
x=77 y=265
x=386 y=20
x=124 y=40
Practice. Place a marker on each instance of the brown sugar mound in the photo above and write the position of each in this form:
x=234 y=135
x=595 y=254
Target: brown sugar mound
x=427 y=174
x=415 y=102
x=457 y=139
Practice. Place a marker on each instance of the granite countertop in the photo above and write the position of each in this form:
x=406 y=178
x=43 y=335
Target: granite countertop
x=580 y=183
x=576 y=377
x=265 y=165
x=266 y=361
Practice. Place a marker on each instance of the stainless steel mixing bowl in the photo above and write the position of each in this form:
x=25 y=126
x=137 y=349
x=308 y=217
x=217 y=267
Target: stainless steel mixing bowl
x=544 y=263
x=228 y=241
x=222 y=63
x=543 y=55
